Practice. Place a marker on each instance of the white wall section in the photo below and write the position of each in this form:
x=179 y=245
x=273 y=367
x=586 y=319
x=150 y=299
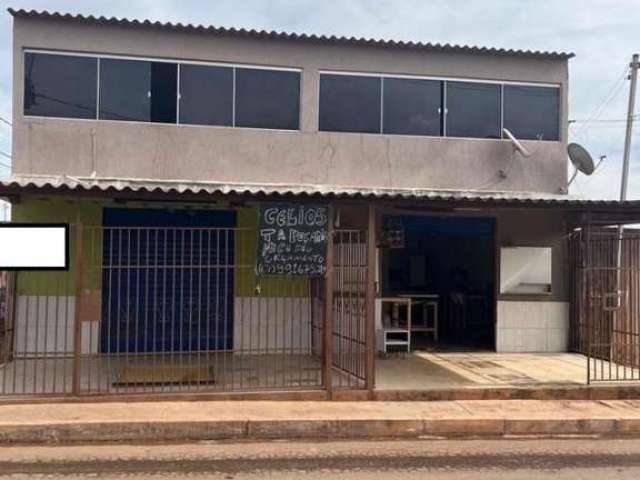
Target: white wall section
x=44 y=327
x=262 y=323
x=532 y=326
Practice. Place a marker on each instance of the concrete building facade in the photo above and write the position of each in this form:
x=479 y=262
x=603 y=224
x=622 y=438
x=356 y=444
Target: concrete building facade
x=404 y=145
x=307 y=156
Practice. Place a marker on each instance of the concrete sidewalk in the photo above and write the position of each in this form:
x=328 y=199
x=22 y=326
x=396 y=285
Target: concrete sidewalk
x=218 y=420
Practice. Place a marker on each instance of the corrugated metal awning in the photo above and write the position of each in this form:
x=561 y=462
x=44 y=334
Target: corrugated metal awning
x=176 y=189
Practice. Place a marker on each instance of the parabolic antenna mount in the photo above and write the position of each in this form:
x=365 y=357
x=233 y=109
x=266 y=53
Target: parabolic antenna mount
x=581 y=160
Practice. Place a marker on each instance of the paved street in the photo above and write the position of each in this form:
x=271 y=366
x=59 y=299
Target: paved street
x=531 y=459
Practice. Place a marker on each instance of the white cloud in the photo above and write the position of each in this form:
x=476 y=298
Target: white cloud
x=603 y=34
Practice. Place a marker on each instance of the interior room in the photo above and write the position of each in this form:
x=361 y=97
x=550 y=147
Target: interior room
x=437 y=284
x=437 y=318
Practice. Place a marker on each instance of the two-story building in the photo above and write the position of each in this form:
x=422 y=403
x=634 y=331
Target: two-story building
x=164 y=146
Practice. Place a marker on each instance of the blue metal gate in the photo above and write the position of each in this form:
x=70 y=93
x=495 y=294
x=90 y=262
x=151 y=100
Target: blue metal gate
x=167 y=280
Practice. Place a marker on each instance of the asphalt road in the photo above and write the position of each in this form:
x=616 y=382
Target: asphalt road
x=530 y=459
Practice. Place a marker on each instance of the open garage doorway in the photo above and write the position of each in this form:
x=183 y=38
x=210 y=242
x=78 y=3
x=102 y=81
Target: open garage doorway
x=442 y=270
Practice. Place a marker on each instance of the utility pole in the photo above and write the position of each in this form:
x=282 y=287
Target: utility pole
x=634 y=65
x=633 y=76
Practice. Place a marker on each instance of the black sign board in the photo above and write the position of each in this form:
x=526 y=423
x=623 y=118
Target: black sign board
x=292 y=240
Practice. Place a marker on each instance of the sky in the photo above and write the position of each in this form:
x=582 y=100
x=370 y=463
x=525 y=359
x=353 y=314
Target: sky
x=603 y=35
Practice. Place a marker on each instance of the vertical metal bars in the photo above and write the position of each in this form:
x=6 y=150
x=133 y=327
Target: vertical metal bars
x=349 y=324
x=36 y=331
x=173 y=309
x=605 y=302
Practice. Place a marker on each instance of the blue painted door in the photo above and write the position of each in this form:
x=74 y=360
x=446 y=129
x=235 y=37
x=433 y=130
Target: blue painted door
x=167 y=280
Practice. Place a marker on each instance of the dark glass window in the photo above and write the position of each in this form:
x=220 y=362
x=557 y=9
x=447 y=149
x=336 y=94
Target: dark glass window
x=164 y=77
x=267 y=98
x=473 y=110
x=124 y=89
x=138 y=90
x=60 y=86
x=412 y=106
x=532 y=112
x=206 y=95
x=349 y=103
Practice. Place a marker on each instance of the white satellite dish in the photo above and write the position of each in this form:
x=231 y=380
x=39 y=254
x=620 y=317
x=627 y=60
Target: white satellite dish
x=517 y=146
x=581 y=160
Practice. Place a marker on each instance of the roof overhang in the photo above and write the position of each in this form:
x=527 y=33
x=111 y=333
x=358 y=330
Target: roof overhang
x=188 y=191
x=288 y=36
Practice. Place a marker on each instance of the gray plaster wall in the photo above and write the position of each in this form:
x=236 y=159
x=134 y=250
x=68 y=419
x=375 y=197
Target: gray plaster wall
x=536 y=228
x=138 y=150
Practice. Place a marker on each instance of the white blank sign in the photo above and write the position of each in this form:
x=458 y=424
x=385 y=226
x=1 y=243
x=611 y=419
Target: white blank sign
x=33 y=246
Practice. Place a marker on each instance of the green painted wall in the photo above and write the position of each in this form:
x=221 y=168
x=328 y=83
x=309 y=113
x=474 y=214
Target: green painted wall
x=89 y=212
x=246 y=281
x=67 y=210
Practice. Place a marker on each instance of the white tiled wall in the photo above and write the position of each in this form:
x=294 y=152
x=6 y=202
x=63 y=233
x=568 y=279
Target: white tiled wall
x=44 y=325
x=532 y=326
x=262 y=323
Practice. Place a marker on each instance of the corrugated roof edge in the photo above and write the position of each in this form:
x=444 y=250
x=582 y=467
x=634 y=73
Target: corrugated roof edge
x=263 y=34
x=106 y=185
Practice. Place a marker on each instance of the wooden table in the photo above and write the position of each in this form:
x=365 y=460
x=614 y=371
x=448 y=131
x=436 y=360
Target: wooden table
x=429 y=301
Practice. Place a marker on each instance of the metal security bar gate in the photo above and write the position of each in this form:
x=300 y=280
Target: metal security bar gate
x=7 y=288
x=37 y=336
x=605 y=302
x=160 y=310
x=349 y=342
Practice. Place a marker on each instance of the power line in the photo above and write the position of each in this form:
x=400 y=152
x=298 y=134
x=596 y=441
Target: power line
x=4 y=120
x=609 y=120
x=613 y=92
x=576 y=120
x=5 y=155
x=605 y=125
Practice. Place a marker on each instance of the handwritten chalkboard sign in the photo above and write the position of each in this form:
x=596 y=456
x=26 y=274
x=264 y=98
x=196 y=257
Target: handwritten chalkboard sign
x=292 y=240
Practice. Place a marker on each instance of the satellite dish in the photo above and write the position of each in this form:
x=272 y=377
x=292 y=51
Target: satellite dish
x=581 y=160
x=516 y=144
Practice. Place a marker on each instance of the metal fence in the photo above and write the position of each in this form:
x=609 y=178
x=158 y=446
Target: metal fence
x=163 y=310
x=349 y=308
x=605 y=302
x=38 y=334
x=6 y=320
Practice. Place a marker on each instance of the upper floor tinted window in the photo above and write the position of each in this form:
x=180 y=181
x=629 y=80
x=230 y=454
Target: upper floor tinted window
x=350 y=103
x=267 y=98
x=532 y=112
x=138 y=90
x=69 y=86
x=206 y=95
x=412 y=106
x=147 y=91
x=473 y=110
x=60 y=86
x=415 y=106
